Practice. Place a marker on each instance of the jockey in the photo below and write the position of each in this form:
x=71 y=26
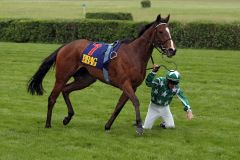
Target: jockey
x=163 y=90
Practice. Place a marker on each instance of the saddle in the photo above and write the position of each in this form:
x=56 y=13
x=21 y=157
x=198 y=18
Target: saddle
x=98 y=54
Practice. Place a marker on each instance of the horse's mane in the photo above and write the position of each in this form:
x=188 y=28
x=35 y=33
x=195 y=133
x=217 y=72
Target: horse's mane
x=141 y=31
x=144 y=28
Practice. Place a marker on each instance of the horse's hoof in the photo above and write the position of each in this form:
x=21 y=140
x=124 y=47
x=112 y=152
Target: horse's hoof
x=48 y=126
x=139 y=131
x=107 y=131
x=66 y=121
x=107 y=128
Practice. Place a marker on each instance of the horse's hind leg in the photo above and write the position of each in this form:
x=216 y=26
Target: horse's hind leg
x=52 y=100
x=63 y=73
x=82 y=80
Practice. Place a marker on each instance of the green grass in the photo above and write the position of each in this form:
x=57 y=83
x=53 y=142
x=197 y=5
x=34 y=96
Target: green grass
x=210 y=79
x=181 y=10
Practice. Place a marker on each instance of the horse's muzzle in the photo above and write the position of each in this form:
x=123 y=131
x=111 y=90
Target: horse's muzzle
x=171 y=52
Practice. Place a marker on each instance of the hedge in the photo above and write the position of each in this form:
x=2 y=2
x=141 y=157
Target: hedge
x=185 y=35
x=146 y=3
x=110 y=16
x=59 y=31
x=206 y=35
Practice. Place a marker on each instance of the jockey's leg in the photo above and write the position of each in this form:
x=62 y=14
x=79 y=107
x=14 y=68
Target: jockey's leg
x=152 y=114
x=167 y=117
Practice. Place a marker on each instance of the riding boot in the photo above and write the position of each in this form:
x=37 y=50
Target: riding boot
x=162 y=125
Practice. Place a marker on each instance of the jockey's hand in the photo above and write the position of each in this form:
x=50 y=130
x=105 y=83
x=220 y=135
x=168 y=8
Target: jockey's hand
x=189 y=115
x=155 y=68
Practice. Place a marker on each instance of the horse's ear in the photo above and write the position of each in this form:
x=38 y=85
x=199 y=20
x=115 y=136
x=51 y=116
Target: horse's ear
x=158 y=18
x=167 y=18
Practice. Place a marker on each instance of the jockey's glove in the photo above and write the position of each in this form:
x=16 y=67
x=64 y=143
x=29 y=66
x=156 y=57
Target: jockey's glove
x=155 y=68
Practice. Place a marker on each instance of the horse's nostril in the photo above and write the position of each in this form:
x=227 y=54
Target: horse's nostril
x=172 y=51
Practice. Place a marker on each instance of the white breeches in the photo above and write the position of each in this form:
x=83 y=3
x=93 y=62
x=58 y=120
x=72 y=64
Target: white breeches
x=155 y=112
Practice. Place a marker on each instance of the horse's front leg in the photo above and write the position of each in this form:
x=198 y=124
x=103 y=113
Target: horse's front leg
x=122 y=101
x=130 y=92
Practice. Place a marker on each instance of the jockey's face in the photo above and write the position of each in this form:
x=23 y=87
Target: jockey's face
x=171 y=84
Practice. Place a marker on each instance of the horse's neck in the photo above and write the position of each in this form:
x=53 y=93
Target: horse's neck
x=143 y=51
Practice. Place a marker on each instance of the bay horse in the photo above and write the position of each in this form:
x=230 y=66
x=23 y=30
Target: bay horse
x=126 y=72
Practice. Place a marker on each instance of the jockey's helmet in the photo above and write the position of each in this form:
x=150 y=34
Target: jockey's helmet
x=173 y=76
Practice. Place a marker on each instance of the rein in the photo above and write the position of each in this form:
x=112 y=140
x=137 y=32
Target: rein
x=161 y=65
x=161 y=50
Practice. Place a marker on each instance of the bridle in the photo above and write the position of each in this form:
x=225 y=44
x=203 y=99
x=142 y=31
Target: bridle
x=160 y=47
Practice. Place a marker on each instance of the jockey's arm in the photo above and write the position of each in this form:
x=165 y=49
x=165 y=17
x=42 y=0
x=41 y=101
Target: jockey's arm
x=185 y=102
x=151 y=81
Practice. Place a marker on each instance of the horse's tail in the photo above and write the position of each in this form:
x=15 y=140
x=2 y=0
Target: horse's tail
x=34 y=85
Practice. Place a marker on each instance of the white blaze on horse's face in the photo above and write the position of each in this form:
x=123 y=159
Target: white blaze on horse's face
x=171 y=41
x=164 y=40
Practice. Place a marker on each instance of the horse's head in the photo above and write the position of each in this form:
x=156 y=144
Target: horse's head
x=162 y=37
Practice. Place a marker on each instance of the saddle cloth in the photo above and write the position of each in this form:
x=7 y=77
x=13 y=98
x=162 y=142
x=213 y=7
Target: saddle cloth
x=98 y=54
